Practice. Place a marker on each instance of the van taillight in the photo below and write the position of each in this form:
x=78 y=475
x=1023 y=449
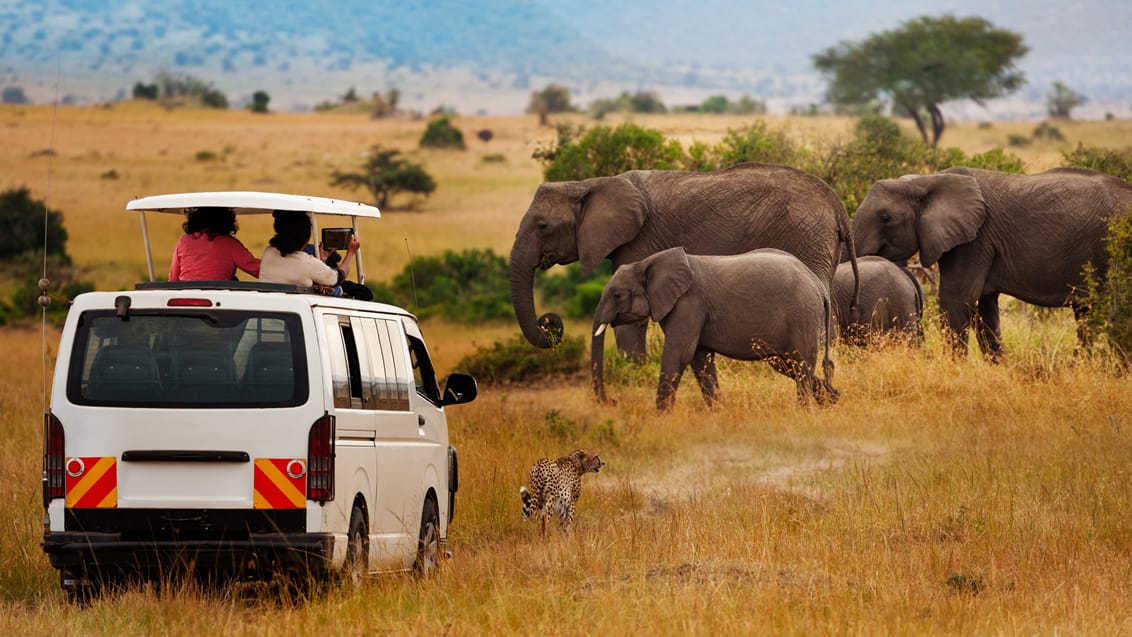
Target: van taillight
x=54 y=480
x=320 y=460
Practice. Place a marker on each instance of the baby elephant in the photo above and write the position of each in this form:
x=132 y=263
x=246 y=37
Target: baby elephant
x=556 y=485
x=760 y=305
x=891 y=300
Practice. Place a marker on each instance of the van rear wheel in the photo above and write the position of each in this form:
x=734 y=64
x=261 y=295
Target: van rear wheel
x=357 y=550
x=428 y=546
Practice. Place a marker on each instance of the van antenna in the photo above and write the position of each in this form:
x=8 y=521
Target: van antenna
x=44 y=283
x=412 y=276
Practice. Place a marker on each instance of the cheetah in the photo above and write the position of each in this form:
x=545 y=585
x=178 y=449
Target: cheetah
x=557 y=484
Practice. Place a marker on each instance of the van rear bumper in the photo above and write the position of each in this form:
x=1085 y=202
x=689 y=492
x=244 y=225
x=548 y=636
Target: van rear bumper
x=84 y=554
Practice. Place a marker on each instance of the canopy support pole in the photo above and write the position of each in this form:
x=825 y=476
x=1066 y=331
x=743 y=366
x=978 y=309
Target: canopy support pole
x=148 y=252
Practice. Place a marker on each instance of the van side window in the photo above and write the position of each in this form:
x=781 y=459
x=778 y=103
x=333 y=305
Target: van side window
x=345 y=374
x=423 y=374
x=388 y=377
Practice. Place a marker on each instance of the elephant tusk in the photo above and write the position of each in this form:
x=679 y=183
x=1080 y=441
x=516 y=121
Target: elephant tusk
x=600 y=329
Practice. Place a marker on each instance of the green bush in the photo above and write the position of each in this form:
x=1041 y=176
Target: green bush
x=1110 y=300
x=756 y=143
x=24 y=222
x=879 y=150
x=440 y=133
x=515 y=361
x=465 y=287
x=25 y=300
x=1047 y=131
x=603 y=151
x=996 y=159
x=574 y=293
x=1112 y=161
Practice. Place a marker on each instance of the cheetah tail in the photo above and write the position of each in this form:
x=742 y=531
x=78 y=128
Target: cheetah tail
x=528 y=506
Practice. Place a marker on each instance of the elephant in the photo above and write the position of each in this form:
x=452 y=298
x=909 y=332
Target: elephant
x=891 y=300
x=1028 y=236
x=630 y=216
x=760 y=305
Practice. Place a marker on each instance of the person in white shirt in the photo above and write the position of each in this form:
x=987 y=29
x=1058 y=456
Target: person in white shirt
x=285 y=261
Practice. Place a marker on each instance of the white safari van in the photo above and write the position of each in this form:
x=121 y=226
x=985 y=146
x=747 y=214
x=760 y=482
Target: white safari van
x=244 y=429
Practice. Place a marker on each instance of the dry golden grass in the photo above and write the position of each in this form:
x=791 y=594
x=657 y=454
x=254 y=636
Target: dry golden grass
x=939 y=496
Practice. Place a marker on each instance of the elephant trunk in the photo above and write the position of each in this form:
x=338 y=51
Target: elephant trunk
x=522 y=279
x=597 y=360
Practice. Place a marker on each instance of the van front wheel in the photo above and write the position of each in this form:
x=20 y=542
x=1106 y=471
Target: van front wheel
x=428 y=546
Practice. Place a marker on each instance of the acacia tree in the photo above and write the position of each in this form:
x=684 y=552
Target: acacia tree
x=1061 y=100
x=384 y=173
x=925 y=62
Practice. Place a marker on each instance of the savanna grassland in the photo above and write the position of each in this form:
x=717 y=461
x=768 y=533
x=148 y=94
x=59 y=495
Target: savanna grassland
x=939 y=496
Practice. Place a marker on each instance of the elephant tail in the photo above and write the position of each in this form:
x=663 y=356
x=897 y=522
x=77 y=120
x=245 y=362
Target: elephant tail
x=827 y=363
x=851 y=252
x=918 y=328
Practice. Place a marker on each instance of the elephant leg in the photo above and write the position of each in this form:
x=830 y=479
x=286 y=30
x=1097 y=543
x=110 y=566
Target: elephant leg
x=955 y=317
x=631 y=340
x=673 y=360
x=803 y=375
x=987 y=329
x=703 y=366
x=666 y=389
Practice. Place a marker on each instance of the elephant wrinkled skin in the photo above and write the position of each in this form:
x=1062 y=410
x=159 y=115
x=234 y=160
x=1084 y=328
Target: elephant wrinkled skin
x=993 y=233
x=760 y=305
x=630 y=216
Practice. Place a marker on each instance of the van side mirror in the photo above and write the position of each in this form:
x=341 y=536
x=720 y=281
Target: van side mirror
x=458 y=389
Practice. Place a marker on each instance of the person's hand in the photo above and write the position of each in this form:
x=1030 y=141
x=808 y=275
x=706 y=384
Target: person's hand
x=354 y=244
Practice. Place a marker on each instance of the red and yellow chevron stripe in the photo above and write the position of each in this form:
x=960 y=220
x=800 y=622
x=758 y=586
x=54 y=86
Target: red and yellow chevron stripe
x=92 y=483
x=280 y=483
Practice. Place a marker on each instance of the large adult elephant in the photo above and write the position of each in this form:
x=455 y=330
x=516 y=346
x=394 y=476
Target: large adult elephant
x=993 y=233
x=638 y=213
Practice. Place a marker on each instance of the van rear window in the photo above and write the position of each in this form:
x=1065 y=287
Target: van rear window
x=188 y=359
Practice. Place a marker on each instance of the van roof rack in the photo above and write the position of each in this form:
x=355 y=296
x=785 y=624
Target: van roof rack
x=251 y=286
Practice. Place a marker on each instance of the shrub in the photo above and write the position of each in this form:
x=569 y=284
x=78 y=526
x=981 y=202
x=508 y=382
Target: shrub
x=465 y=287
x=639 y=102
x=1017 y=140
x=1046 y=131
x=25 y=300
x=574 y=292
x=1115 y=162
x=996 y=159
x=259 y=102
x=25 y=222
x=1110 y=300
x=879 y=150
x=603 y=151
x=515 y=361
x=440 y=133
x=756 y=143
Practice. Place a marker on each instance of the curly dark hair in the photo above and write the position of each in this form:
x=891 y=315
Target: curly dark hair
x=215 y=221
x=292 y=231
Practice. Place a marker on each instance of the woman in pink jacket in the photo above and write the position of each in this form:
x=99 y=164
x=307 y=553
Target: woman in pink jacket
x=208 y=251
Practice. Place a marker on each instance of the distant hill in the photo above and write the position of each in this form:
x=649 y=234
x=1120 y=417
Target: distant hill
x=488 y=56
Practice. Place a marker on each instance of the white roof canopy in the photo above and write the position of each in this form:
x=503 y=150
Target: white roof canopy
x=248 y=202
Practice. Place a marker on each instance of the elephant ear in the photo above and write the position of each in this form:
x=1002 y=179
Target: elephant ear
x=612 y=213
x=952 y=210
x=668 y=275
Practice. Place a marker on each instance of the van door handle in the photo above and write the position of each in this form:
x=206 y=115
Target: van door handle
x=420 y=420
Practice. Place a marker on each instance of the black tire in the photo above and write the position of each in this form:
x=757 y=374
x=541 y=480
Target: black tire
x=356 y=568
x=428 y=543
